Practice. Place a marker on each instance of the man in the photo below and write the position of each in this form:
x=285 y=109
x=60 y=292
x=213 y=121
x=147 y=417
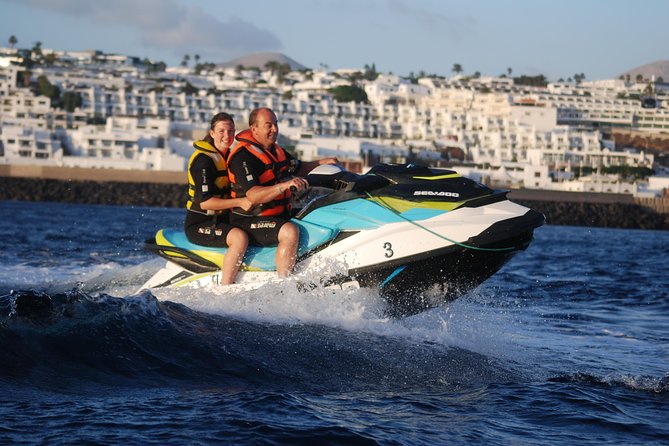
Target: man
x=264 y=173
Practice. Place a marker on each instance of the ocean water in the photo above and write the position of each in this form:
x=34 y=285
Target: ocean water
x=568 y=344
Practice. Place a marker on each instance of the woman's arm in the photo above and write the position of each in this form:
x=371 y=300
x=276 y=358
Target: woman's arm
x=219 y=204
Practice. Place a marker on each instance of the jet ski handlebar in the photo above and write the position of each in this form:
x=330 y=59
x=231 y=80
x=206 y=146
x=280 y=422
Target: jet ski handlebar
x=335 y=177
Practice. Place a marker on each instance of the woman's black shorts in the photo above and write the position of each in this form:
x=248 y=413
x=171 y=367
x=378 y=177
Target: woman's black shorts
x=207 y=230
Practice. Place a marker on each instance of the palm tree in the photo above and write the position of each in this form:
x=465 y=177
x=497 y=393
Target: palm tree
x=457 y=68
x=13 y=40
x=509 y=71
x=197 y=58
x=185 y=60
x=272 y=66
x=37 y=49
x=579 y=77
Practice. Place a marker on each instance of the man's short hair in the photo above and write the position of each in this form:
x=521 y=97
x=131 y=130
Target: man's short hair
x=254 y=114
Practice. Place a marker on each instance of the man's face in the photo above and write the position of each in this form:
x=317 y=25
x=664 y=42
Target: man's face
x=265 y=130
x=223 y=135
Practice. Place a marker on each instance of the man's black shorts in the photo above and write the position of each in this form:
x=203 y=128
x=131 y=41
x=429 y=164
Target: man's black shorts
x=262 y=231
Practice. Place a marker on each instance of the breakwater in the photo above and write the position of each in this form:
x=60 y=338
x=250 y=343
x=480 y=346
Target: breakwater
x=94 y=192
x=559 y=209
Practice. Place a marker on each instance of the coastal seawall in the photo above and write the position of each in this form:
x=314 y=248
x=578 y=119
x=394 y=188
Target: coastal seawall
x=168 y=189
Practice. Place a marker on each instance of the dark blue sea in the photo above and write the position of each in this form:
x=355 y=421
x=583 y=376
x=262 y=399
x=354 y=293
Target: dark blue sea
x=567 y=345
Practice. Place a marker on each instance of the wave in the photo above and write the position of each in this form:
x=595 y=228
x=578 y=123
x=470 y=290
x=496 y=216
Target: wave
x=642 y=383
x=67 y=340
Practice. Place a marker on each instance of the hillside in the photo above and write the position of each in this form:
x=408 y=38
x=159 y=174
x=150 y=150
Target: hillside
x=260 y=59
x=659 y=69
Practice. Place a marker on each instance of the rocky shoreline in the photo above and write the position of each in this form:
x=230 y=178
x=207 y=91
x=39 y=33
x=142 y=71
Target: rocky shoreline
x=573 y=213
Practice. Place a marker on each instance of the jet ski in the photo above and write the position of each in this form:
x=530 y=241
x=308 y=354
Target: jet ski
x=421 y=236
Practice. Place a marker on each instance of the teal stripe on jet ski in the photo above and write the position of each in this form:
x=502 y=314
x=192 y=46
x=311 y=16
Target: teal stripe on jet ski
x=353 y=215
x=398 y=270
x=263 y=258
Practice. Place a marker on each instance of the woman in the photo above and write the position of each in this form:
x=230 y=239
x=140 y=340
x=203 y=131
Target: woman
x=207 y=220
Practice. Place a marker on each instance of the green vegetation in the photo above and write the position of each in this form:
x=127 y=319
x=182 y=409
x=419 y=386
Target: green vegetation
x=349 y=93
x=534 y=81
x=370 y=73
x=189 y=89
x=626 y=172
x=205 y=66
x=23 y=78
x=70 y=101
x=280 y=69
x=153 y=67
x=46 y=88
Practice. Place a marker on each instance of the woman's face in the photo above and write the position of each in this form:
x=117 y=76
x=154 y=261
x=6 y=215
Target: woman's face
x=223 y=135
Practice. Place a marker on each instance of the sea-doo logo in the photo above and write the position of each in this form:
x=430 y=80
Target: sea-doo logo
x=263 y=225
x=432 y=193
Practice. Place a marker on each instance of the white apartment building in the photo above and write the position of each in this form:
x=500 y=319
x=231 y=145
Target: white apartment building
x=524 y=134
x=23 y=145
x=8 y=76
x=126 y=143
x=122 y=143
x=349 y=149
x=22 y=108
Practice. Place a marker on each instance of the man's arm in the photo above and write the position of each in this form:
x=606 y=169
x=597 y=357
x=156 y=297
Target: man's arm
x=265 y=194
x=247 y=170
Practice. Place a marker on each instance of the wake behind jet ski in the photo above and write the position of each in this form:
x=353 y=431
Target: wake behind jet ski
x=421 y=236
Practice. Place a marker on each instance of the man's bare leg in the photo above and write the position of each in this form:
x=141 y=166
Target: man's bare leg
x=286 y=252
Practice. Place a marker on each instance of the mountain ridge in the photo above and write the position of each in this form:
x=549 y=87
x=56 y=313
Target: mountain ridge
x=658 y=69
x=259 y=60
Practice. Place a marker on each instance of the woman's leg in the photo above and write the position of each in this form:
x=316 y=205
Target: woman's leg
x=237 y=242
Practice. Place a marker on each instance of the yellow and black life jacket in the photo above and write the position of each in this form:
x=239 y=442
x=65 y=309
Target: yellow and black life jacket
x=276 y=168
x=221 y=182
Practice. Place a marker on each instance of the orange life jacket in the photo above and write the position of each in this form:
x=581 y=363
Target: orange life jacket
x=276 y=168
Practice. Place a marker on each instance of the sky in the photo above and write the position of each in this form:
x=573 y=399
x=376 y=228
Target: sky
x=599 y=38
